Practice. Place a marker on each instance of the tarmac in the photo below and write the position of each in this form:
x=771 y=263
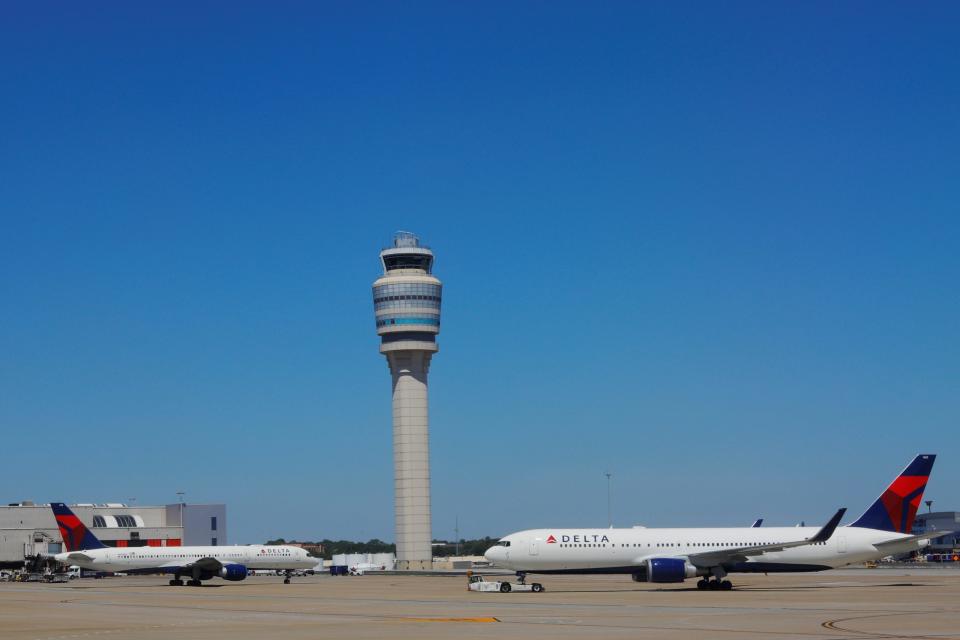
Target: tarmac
x=855 y=604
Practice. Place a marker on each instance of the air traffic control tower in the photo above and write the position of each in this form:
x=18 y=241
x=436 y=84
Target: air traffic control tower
x=406 y=301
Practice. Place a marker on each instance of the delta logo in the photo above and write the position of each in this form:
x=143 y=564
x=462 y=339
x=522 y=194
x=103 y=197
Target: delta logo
x=585 y=538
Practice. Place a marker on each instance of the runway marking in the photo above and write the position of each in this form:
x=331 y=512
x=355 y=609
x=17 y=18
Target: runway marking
x=483 y=619
x=833 y=626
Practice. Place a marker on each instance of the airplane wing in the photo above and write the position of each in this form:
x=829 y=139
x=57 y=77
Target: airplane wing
x=740 y=554
x=205 y=564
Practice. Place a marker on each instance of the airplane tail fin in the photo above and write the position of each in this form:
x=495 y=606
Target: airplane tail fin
x=76 y=536
x=896 y=508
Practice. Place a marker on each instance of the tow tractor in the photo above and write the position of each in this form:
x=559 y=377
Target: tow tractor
x=479 y=583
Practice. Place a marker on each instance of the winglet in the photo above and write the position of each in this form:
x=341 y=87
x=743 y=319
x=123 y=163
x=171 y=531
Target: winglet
x=826 y=531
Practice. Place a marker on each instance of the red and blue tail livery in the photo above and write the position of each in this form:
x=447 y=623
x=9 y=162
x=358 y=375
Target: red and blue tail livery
x=76 y=536
x=897 y=507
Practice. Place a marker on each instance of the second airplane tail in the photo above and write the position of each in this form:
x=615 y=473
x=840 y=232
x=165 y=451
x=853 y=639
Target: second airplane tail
x=76 y=536
x=897 y=507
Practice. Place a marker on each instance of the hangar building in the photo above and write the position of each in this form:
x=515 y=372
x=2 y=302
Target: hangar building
x=28 y=529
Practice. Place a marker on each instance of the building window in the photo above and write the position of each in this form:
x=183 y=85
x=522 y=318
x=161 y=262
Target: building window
x=213 y=542
x=213 y=523
x=125 y=521
x=99 y=522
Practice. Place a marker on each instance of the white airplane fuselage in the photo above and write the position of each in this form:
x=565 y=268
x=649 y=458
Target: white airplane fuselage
x=626 y=550
x=125 y=559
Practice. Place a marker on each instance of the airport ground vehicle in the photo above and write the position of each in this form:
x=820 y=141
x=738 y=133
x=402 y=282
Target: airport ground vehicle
x=479 y=583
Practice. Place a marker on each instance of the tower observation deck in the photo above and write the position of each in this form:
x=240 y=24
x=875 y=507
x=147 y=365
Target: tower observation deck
x=406 y=302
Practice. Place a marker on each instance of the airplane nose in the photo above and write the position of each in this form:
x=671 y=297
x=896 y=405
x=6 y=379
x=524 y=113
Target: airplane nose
x=494 y=554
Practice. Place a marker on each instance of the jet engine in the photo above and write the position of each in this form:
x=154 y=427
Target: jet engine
x=233 y=572
x=665 y=570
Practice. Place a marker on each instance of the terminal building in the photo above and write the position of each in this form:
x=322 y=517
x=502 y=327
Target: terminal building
x=939 y=521
x=28 y=529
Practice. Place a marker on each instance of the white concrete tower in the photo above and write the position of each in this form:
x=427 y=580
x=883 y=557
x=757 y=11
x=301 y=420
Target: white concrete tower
x=406 y=300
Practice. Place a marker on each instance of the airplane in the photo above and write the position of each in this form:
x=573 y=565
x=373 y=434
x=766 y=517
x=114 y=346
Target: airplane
x=200 y=563
x=673 y=555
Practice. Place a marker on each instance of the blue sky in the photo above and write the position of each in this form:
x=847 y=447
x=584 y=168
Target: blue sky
x=709 y=247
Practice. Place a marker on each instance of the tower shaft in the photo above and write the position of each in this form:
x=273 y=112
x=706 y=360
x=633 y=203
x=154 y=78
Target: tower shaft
x=411 y=458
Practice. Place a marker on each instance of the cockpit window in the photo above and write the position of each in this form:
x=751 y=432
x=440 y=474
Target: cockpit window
x=503 y=543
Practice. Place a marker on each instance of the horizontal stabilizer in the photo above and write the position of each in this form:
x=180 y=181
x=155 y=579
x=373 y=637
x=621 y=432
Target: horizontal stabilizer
x=897 y=543
x=79 y=557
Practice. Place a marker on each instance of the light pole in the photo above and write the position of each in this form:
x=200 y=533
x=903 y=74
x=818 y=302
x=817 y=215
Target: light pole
x=609 y=512
x=929 y=504
x=180 y=495
x=456 y=531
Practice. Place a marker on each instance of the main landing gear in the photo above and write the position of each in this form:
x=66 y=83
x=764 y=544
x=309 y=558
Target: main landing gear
x=286 y=579
x=521 y=577
x=714 y=585
x=719 y=582
x=178 y=581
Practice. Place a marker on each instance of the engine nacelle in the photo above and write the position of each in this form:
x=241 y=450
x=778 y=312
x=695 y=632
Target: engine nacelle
x=669 y=570
x=233 y=572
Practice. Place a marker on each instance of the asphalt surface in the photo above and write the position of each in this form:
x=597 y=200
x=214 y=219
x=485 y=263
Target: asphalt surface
x=862 y=604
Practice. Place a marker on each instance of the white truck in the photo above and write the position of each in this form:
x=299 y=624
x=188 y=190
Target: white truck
x=479 y=583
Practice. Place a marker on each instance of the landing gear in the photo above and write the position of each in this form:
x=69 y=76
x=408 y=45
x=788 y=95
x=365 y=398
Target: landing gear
x=194 y=583
x=521 y=577
x=176 y=582
x=286 y=579
x=719 y=582
x=714 y=585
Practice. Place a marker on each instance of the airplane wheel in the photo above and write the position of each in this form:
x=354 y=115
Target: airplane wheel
x=726 y=585
x=505 y=587
x=713 y=585
x=702 y=584
x=194 y=583
x=286 y=581
x=537 y=587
